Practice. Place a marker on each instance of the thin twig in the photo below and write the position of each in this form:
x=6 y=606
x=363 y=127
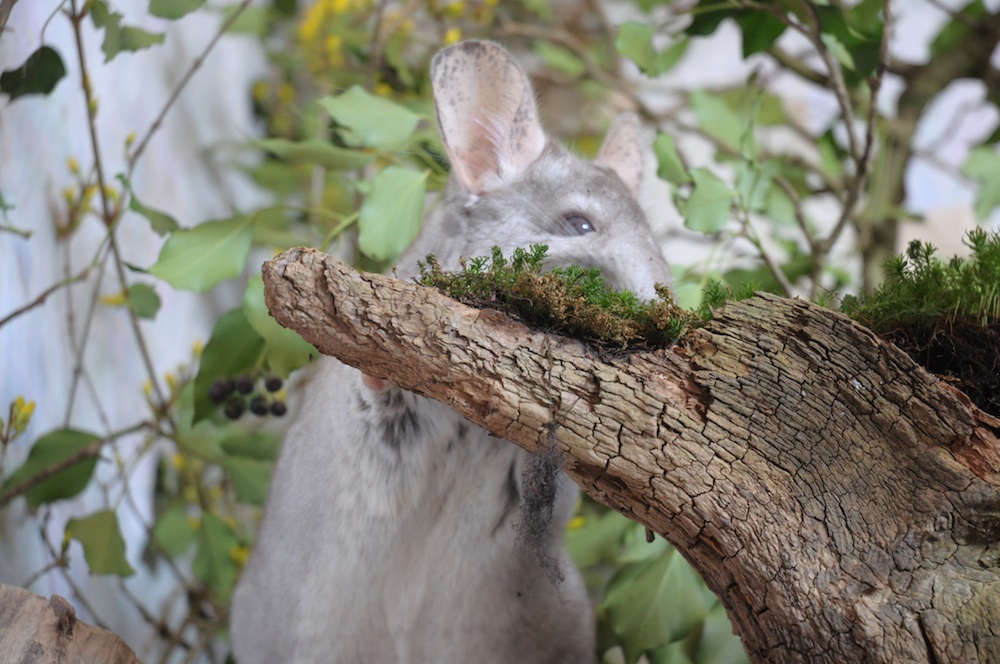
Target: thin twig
x=800 y=215
x=860 y=179
x=111 y=216
x=195 y=66
x=38 y=301
x=88 y=324
x=798 y=67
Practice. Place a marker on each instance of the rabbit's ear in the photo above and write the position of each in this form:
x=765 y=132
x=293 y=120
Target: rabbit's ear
x=487 y=114
x=621 y=152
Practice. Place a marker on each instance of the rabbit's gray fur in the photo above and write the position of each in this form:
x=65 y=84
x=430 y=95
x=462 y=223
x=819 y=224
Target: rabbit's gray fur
x=389 y=534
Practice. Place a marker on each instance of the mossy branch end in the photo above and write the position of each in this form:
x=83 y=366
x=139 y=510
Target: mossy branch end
x=944 y=313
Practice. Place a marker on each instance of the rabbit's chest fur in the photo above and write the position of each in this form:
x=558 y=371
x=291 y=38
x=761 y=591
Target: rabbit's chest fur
x=412 y=544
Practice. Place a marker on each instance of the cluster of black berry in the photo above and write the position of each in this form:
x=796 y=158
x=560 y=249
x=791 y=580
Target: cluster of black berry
x=239 y=394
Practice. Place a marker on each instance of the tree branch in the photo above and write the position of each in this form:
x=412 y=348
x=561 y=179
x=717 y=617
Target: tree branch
x=839 y=499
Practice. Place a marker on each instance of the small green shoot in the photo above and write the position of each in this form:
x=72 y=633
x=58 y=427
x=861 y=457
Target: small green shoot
x=919 y=287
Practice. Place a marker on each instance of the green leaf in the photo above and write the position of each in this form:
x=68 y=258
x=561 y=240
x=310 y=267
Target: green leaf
x=199 y=258
x=250 y=478
x=717 y=119
x=252 y=444
x=706 y=17
x=958 y=30
x=707 y=208
x=598 y=539
x=145 y=302
x=753 y=183
x=316 y=151
x=103 y=546
x=118 y=38
x=37 y=76
x=855 y=46
x=672 y=55
x=654 y=602
x=717 y=643
x=671 y=167
x=173 y=9
x=275 y=227
x=251 y=21
x=560 y=58
x=760 y=30
x=983 y=166
x=48 y=451
x=213 y=563
x=831 y=156
x=285 y=349
x=377 y=122
x=635 y=42
x=233 y=349
x=160 y=222
x=636 y=548
x=174 y=532
x=390 y=215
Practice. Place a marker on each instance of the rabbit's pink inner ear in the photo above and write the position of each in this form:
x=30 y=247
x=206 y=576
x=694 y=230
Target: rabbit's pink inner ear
x=621 y=151
x=487 y=114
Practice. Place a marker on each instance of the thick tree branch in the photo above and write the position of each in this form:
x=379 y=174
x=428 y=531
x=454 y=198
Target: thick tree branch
x=33 y=629
x=843 y=503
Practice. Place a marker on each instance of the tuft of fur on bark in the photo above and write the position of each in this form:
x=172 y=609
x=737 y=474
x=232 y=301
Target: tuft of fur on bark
x=539 y=488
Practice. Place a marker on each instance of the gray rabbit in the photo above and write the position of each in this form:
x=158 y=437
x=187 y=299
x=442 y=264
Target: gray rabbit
x=390 y=532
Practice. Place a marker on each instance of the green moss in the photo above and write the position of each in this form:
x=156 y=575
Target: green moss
x=921 y=288
x=573 y=301
x=944 y=314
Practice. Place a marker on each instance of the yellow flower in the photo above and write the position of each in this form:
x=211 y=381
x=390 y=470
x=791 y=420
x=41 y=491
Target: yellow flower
x=130 y=139
x=21 y=412
x=312 y=22
x=286 y=94
x=74 y=165
x=577 y=522
x=452 y=36
x=239 y=554
x=259 y=91
x=383 y=89
x=116 y=300
x=454 y=9
x=111 y=193
x=177 y=461
x=331 y=46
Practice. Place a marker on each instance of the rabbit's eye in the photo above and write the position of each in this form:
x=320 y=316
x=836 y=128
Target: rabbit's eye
x=577 y=224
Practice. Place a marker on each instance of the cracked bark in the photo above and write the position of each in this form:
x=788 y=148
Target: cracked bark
x=843 y=503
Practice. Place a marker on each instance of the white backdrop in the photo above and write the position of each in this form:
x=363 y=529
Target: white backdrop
x=187 y=171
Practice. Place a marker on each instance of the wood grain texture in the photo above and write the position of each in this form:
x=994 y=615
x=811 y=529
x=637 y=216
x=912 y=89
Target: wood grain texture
x=843 y=503
x=35 y=630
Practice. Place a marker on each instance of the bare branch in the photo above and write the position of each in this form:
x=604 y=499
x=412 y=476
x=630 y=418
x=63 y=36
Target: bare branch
x=40 y=300
x=195 y=66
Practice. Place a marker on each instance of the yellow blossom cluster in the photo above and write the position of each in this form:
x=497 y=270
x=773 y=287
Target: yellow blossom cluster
x=323 y=11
